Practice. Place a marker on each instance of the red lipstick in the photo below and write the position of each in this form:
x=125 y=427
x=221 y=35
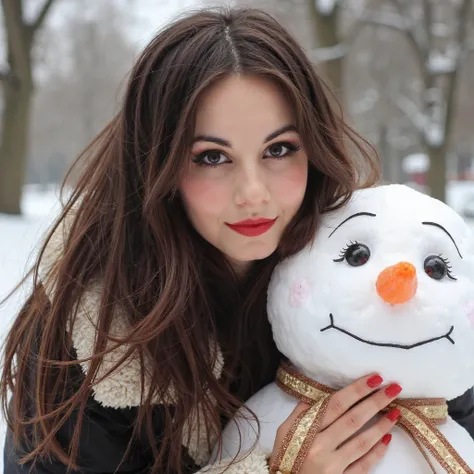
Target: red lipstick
x=252 y=227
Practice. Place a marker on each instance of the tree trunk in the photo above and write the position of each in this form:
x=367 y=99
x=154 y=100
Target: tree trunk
x=327 y=37
x=437 y=172
x=13 y=145
x=17 y=94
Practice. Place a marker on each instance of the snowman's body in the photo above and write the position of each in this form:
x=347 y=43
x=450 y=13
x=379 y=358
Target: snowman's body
x=273 y=406
x=387 y=286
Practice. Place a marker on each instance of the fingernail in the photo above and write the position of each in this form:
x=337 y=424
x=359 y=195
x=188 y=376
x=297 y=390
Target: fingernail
x=393 y=390
x=394 y=414
x=375 y=381
x=386 y=439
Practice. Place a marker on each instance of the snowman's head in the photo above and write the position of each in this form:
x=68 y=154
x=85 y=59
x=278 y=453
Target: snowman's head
x=387 y=286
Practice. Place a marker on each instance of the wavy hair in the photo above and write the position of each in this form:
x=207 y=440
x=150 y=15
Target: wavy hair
x=128 y=229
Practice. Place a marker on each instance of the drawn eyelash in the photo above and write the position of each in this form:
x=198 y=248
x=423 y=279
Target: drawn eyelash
x=449 y=267
x=342 y=253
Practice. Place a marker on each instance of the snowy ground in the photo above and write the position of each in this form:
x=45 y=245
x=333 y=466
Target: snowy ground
x=19 y=238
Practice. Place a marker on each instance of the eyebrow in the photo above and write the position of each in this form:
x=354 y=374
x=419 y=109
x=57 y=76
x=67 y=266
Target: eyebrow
x=435 y=224
x=226 y=143
x=358 y=214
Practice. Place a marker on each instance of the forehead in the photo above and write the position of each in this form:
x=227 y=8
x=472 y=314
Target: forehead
x=238 y=102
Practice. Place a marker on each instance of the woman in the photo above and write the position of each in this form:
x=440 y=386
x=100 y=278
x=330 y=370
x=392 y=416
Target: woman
x=146 y=328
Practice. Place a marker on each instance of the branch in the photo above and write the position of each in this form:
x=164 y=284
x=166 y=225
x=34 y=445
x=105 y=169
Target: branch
x=362 y=17
x=411 y=111
x=466 y=13
x=428 y=21
x=420 y=45
x=38 y=23
x=389 y=20
x=330 y=53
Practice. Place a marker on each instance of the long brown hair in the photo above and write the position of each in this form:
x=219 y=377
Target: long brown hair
x=129 y=230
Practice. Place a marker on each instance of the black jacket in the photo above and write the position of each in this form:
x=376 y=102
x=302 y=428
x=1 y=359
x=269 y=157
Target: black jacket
x=112 y=408
x=107 y=431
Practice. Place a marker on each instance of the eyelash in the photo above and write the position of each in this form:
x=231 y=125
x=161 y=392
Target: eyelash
x=447 y=262
x=449 y=267
x=292 y=148
x=342 y=253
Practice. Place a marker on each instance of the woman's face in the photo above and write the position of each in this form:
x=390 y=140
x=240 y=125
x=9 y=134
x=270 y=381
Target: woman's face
x=247 y=171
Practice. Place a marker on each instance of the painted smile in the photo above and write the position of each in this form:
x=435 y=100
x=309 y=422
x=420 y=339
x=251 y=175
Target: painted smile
x=389 y=344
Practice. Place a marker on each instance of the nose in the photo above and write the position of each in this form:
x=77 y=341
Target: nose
x=398 y=283
x=251 y=188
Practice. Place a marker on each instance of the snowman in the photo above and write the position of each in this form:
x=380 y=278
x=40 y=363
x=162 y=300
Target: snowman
x=387 y=286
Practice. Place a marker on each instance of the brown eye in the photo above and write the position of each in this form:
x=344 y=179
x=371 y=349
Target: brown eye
x=213 y=157
x=281 y=150
x=276 y=150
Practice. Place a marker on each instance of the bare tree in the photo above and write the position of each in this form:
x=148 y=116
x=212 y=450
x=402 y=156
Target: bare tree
x=330 y=50
x=18 y=87
x=81 y=83
x=437 y=33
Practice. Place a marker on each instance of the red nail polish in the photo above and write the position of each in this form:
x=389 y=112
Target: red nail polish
x=394 y=414
x=393 y=390
x=386 y=439
x=375 y=381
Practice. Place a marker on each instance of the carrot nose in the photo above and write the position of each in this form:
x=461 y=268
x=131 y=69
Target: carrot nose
x=398 y=283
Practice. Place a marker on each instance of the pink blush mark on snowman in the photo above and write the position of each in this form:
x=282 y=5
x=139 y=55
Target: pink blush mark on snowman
x=470 y=312
x=299 y=291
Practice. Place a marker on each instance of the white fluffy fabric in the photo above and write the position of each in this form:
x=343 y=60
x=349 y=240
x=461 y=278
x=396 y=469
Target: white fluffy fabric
x=121 y=389
x=368 y=334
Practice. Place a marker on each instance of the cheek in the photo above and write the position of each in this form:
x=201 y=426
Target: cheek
x=204 y=196
x=299 y=291
x=470 y=312
x=289 y=183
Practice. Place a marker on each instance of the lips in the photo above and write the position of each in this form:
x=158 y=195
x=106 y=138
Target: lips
x=252 y=227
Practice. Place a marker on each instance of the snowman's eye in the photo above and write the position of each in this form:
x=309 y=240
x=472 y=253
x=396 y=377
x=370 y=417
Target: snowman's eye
x=438 y=267
x=355 y=254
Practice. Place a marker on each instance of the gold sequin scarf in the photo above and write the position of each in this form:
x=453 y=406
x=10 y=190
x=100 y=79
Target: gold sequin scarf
x=418 y=419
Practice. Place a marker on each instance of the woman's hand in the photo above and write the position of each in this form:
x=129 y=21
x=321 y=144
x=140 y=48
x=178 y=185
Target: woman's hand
x=335 y=449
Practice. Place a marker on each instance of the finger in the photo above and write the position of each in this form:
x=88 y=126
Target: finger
x=347 y=397
x=363 y=443
x=367 y=462
x=357 y=417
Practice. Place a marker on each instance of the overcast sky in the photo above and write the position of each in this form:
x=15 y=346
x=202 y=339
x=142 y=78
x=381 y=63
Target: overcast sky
x=153 y=14
x=148 y=15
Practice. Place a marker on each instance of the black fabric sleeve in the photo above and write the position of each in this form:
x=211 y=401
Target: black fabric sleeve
x=104 y=438
x=461 y=410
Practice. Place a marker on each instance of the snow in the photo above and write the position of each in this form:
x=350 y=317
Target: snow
x=439 y=63
x=19 y=238
x=331 y=53
x=416 y=163
x=434 y=134
x=325 y=7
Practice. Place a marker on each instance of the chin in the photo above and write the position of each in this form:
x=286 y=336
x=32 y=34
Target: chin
x=248 y=254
